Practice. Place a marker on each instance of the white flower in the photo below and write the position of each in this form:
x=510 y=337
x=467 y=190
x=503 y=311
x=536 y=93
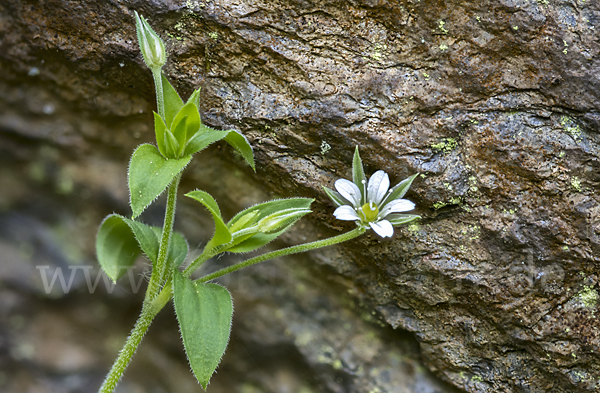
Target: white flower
x=372 y=204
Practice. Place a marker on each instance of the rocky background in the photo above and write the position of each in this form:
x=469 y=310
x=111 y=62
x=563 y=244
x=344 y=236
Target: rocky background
x=494 y=102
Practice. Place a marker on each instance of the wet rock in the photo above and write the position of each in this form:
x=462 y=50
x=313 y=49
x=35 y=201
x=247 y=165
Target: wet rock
x=495 y=103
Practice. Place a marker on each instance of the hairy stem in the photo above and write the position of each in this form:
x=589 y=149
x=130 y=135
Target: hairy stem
x=161 y=271
x=160 y=99
x=153 y=305
x=286 y=251
x=133 y=341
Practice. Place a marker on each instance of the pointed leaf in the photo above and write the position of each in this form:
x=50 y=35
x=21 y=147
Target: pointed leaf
x=240 y=143
x=222 y=234
x=399 y=190
x=116 y=247
x=335 y=196
x=204 y=312
x=172 y=145
x=179 y=130
x=195 y=98
x=178 y=248
x=186 y=124
x=203 y=139
x=358 y=174
x=160 y=130
x=149 y=174
x=149 y=237
x=173 y=103
x=399 y=219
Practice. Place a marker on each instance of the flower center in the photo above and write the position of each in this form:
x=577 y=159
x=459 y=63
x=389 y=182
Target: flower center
x=370 y=210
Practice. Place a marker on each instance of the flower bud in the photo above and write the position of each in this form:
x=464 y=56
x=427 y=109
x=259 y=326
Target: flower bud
x=280 y=220
x=151 y=46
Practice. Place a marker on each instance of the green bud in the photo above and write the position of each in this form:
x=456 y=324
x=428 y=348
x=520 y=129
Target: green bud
x=152 y=47
x=245 y=221
x=277 y=221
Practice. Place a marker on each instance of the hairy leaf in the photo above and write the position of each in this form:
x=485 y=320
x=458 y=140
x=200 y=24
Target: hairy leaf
x=204 y=312
x=149 y=174
x=173 y=103
x=222 y=234
x=116 y=247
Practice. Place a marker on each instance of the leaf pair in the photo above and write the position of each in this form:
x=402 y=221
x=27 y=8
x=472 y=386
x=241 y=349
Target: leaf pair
x=204 y=311
x=121 y=240
x=253 y=227
x=181 y=133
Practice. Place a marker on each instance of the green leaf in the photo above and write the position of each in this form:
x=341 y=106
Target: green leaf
x=149 y=174
x=399 y=219
x=335 y=196
x=172 y=145
x=178 y=248
x=203 y=139
x=240 y=143
x=116 y=246
x=399 y=190
x=186 y=124
x=160 y=130
x=358 y=174
x=256 y=216
x=204 y=312
x=173 y=103
x=222 y=234
x=195 y=98
x=146 y=238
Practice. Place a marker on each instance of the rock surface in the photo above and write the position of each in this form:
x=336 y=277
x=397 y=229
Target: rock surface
x=495 y=103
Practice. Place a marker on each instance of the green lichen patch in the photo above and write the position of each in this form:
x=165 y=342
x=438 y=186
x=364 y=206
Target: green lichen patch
x=441 y=25
x=445 y=146
x=453 y=201
x=576 y=184
x=588 y=297
x=570 y=127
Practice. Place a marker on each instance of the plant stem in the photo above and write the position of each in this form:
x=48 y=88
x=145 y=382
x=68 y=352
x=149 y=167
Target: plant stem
x=160 y=98
x=153 y=305
x=139 y=330
x=286 y=251
x=205 y=256
x=161 y=271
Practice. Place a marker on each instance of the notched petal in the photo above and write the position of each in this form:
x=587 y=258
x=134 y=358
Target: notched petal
x=383 y=228
x=397 y=206
x=378 y=185
x=349 y=191
x=346 y=213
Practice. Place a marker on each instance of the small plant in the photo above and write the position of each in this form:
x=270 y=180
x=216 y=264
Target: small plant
x=203 y=309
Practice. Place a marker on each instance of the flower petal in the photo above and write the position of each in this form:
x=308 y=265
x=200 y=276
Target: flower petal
x=397 y=206
x=346 y=213
x=383 y=228
x=349 y=191
x=379 y=183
